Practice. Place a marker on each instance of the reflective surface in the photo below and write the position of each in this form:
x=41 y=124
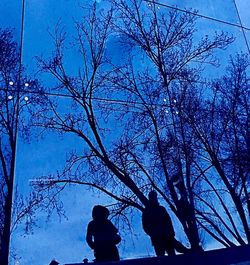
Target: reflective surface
x=44 y=155
x=211 y=9
x=243 y=9
x=234 y=13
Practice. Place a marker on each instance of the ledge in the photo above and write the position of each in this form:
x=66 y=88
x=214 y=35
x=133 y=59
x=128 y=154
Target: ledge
x=227 y=256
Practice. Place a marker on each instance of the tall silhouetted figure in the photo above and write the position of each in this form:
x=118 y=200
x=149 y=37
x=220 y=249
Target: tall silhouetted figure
x=102 y=235
x=158 y=225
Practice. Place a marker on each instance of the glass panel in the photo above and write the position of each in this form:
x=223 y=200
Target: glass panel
x=214 y=9
x=61 y=239
x=247 y=33
x=209 y=27
x=41 y=156
x=39 y=25
x=243 y=8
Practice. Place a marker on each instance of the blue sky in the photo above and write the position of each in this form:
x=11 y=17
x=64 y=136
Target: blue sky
x=65 y=240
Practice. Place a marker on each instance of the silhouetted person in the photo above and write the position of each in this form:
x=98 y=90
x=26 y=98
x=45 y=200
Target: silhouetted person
x=102 y=235
x=158 y=225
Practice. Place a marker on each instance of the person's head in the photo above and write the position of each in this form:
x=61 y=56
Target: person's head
x=100 y=212
x=152 y=197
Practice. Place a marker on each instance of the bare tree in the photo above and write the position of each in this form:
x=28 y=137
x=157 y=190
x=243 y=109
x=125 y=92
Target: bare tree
x=222 y=128
x=168 y=43
x=178 y=66
x=12 y=103
x=133 y=118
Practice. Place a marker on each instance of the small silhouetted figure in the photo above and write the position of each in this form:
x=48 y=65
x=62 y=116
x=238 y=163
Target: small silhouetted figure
x=54 y=262
x=102 y=235
x=158 y=225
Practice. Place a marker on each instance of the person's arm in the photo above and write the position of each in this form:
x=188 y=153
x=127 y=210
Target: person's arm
x=89 y=236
